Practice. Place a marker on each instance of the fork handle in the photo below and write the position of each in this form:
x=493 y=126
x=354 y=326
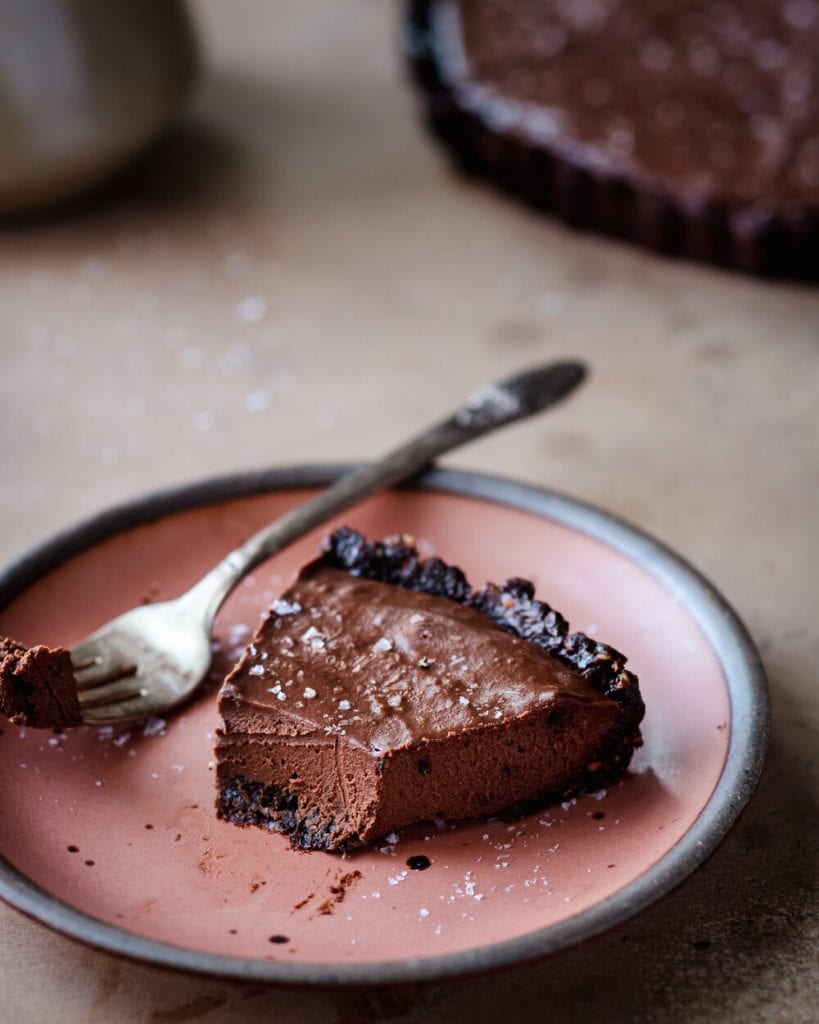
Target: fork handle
x=488 y=408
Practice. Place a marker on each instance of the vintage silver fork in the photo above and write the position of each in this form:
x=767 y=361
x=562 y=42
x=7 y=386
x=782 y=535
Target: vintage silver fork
x=152 y=658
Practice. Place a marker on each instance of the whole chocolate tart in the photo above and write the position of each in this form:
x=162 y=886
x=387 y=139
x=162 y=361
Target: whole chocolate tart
x=382 y=690
x=691 y=127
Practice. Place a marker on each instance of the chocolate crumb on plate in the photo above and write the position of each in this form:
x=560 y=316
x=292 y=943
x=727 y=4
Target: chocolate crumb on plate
x=419 y=862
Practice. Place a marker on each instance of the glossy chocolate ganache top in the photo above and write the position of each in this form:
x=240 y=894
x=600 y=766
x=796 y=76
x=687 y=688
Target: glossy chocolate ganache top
x=378 y=664
x=719 y=98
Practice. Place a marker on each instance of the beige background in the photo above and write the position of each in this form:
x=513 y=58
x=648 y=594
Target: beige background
x=297 y=275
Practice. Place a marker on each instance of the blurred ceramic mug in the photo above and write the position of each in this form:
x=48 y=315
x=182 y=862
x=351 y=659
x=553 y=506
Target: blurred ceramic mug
x=85 y=85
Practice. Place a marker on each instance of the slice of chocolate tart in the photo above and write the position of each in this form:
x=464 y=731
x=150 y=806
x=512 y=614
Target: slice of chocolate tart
x=382 y=690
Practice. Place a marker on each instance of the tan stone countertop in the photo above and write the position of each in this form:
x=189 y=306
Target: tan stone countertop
x=297 y=275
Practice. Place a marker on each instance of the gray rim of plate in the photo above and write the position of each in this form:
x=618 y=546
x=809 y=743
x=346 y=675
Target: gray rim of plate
x=724 y=631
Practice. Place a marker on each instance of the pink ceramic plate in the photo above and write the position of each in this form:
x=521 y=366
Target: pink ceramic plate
x=110 y=836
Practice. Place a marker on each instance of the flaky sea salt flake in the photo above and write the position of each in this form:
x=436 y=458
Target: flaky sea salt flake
x=314 y=638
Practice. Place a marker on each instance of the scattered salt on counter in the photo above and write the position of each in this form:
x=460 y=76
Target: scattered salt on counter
x=252 y=310
x=236 y=263
x=204 y=421
x=235 y=359
x=258 y=400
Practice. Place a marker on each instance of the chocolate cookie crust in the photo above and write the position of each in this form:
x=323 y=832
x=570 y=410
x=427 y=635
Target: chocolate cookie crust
x=382 y=690
x=512 y=606
x=692 y=127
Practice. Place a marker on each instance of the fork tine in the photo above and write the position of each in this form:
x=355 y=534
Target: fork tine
x=117 y=691
x=86 y=652
x=104 y=668
x=135 y=707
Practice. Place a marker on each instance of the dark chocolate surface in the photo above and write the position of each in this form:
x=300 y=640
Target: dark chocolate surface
x=512 y=606
x=718 y=98
x=385 y=666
